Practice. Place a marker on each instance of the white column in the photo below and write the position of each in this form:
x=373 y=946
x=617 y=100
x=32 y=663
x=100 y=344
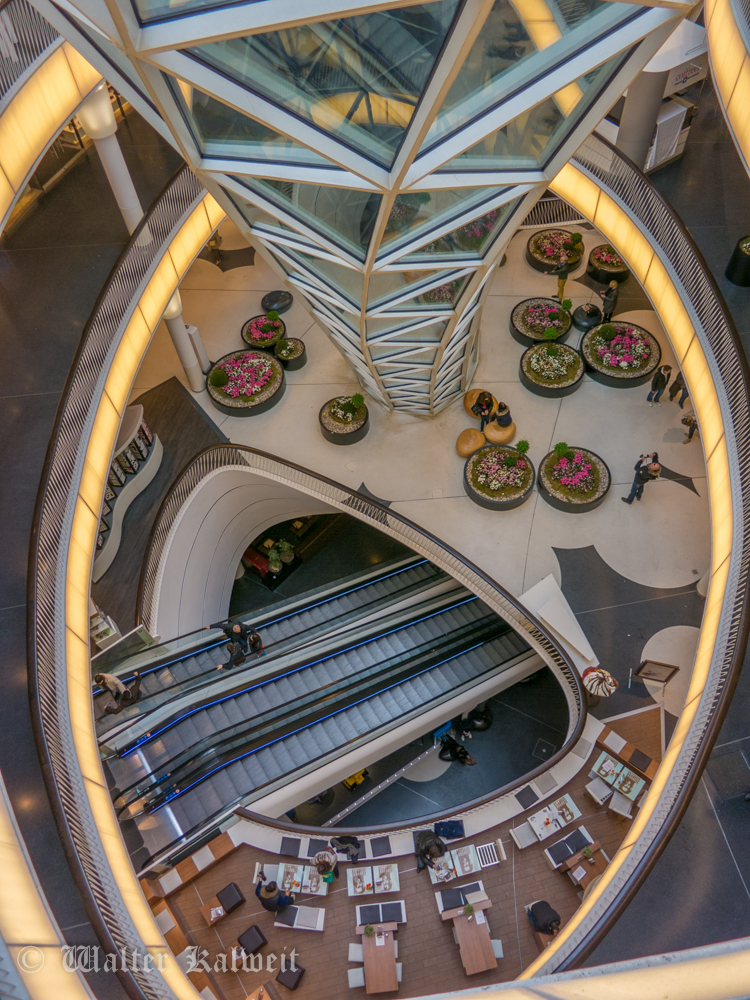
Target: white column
x=98 y=121
x=184 y=343
x=638 y=121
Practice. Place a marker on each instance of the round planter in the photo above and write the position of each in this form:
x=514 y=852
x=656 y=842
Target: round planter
x=499 y=502
x=298 y=359
x=558 y=498
x=551 y=389
x=406 y=215
x=620 y=378
x=738 y=268
x=546 y=264
x=263 y=345
x=586 y=317
x=604 y=273
x=526 y=335
x=340 y=433
x=270 y=395
x=280 y=300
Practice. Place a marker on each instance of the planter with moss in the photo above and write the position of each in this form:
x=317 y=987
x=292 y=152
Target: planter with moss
x=291 y=353
x=551 y=370
x=535 y=320
x=620 y=354
x=264 y=332
x=499 y=477
x=605 y=265
x=245 y=383
x=545 y=247
x=573 y=480
x=344 y=419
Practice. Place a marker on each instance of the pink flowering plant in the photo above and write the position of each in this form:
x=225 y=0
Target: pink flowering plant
x=620 y=345
x=553 y=363
x=541 y=315
x=550 y=244
x=243 y=376
x=607 y=257
x=573 y=470
x=474 y=234
x=264 y=329
x=502 y=471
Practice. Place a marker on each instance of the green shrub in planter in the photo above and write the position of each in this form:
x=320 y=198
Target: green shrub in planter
x=218 y=378
x=608 y=332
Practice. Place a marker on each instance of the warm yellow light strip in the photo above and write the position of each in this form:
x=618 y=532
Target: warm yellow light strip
x=183 y=249
x=730 y=65
x=540 y=23
x=37 y=114
x=620 y=230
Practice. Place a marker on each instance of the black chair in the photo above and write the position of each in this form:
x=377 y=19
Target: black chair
x=290 y=977
x=230 y=897
x=252 y=940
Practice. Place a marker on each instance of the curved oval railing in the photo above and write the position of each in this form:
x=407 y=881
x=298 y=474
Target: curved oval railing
x=631 y=190
x=106 y=908
x=26 y=36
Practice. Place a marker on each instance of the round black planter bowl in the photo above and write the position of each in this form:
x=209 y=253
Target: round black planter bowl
x=279 y=300
x=293 y=364
x=550 y=391
x=267 y=347
x=583 y=320
x=344 y=437
x=570 y=508
x=624 y=381
x=603 y=274
x=738 y=268
x=524 y=338
x=544 y=267
x=482 y=501
x=256 y=408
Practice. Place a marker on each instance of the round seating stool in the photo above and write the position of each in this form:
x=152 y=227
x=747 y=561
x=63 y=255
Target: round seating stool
x=468 y=442
x=496 y=434
x=471 y=397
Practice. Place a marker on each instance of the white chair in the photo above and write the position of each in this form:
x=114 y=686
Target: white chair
x=497 y=947
x=621 y=805
x=395 y=948
x=399 y=967
x=524 y=836
x=356 y=978
x=355 y=953
x=599 y=790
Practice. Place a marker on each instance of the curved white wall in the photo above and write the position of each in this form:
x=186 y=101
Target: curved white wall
x=218 y=521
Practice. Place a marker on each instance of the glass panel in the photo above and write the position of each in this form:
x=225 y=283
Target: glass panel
x=222 y=131
x=467 y=241
x=254 y=215
x=443 y=296
x=430 y=334
x=412 y=213
x=166 y=10
x=520 y=41
x=344 y=216
x=529 y=140
x=397 y=352
x=358 y=78
x=385 y=284
x=345 y=279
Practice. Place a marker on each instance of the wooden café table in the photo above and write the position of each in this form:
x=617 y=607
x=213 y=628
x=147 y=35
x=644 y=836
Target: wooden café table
x=379 y=955
x=574 y=865
x=473 y=935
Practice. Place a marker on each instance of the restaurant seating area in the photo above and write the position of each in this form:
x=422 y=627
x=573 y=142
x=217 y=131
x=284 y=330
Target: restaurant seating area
x=385 y=927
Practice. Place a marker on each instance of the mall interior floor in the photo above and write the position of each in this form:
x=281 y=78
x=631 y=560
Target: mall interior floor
x=699 y=890
x=52 y=269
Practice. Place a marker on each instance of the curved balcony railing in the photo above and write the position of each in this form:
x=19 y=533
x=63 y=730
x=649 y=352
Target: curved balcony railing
x=25 y=36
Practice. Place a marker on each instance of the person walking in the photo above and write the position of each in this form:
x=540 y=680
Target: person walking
x=243 y=640
x=659 y=384
x=561 y=272
x=691 y=423
x=643 y=474
x=271 y=897
x=678 y=386
x=609 y=300
x=123 y=696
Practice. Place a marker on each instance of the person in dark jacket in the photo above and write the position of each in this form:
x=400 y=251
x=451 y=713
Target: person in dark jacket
x=122 y=695
x=429 y=848
x=502 y=415
x=609 y=301
x=561 y=272
x=659 y=384
x=243 y=640
x=271 y=897
x=678 y=386
x=543 y=918
x=643 y=474
x=482 y=408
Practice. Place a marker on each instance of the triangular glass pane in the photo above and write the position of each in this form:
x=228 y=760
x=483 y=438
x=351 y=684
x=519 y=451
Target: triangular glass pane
x=529 y=140
x=254 y=216
x=345 y=280
x=223 y=131
x=344 y=216
x=415 y=212
x=520 y=41
x=443 y=296
x=385 y=284
x=357 y=78
x=472 y=239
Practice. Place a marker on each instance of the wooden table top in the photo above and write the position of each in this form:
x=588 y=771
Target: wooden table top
x=592 y=870
x=380 y=960
x=475 y=944
x=212 y=904
x=456 y=911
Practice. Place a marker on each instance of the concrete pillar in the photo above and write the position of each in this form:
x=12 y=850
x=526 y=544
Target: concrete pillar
x=639 y=115
x=188 y=344
x=98 y=121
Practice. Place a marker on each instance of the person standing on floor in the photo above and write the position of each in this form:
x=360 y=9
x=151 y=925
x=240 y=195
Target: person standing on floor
x=678 y=386
x=122 y=695
x=643 y=474
x=691 y=423
x=271 y=897
x=609 y=301
x=659 y=384
x=482 y=408
x=561 y=272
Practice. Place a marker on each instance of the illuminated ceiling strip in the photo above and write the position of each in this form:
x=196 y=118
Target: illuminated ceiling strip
x=730 y=66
